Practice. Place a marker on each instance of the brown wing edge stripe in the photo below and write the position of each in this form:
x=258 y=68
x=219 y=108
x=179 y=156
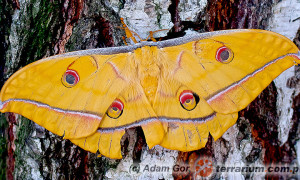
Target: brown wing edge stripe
x=119 y=128
x=236 y=83
x=161 y=119
x=59 y=110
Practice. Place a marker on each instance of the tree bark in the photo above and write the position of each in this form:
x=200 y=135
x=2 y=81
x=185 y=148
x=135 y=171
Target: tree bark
x=266 y=133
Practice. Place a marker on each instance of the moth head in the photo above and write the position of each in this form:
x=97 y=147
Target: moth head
x=70 y=78
x=188 y=100
x=224 y=55
x=116 y=109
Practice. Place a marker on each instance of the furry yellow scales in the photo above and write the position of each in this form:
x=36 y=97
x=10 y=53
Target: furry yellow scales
x=177 y=90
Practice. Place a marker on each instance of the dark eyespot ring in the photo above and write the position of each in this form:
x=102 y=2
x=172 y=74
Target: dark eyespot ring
x=224 y=55
x=188 y=100
x=70 y=78
x=116 y=109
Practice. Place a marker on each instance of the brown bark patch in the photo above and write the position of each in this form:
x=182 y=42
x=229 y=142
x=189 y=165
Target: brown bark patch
x=264 y=123
x=173 y=9
x=12 y=120
x=105 y=38
x=233 y=14
x=71 y=12
x=16 y=4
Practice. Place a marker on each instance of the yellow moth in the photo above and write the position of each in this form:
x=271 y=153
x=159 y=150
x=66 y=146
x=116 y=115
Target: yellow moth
x=177 y=90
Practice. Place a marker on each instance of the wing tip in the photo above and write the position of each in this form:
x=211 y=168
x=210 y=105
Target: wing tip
x=297 y=58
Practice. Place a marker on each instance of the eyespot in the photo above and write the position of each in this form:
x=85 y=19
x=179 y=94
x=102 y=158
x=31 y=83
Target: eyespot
x=188 y=100
x=116 y=109
x=224 y=55
x=70 y=78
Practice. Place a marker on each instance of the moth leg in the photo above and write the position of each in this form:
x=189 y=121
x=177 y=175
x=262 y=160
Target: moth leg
x=151 y=33
x=124 y=40
x=128 y=32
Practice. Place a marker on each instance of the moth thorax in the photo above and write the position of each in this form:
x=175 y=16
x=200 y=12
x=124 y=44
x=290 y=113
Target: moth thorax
x=149 y=84
x=146 y=58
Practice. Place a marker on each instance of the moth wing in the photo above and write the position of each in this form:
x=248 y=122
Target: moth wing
x=137 y=112
x=38 y=92
x=252 y=59
x=187 y=130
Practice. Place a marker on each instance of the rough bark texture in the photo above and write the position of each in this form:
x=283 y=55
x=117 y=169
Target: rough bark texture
x=33 y=29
